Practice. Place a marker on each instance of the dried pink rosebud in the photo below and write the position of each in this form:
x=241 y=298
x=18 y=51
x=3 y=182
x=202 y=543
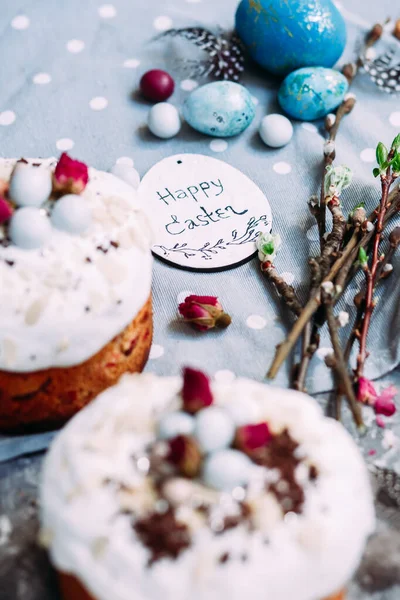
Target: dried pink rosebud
x=196 y=392
x=70 y=176
x=251 y=437
x=185 y=455
x=204 y=312
x=6 y=210
x=366 y=392
x=384 y=404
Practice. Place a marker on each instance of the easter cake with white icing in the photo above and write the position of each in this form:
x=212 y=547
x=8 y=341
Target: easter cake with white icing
x=204 y=491
x=75 y=284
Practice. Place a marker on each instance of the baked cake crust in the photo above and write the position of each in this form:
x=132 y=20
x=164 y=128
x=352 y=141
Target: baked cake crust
x=72 y=589
x=46 y=399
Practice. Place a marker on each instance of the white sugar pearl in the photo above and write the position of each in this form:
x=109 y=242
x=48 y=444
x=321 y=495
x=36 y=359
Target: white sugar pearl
x=177 y=491
x=276 y=131
x=227 y=469
x=30 y=186
x=29 y=228
x=164 y=120
x=243 y=411
x=214 y=429
x=71 y=213
x=127 y=174
x=175 y=423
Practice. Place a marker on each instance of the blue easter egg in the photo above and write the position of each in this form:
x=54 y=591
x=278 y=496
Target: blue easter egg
x=313 y=92
x=30 y=186
x=175 y=423
x=71 y=213
x=214 y=429
x=220 y=109
x=29 y=228
x=227 y=469
x=283 y=36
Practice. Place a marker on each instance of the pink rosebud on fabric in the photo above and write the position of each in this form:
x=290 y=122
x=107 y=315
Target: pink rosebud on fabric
x=70 y=176
x=366 y=392
x=5 y=210
x=204 y=312
x=380 y=422
x=185 y=455
x=251 y=437
x=196 y=392
x=384 y=404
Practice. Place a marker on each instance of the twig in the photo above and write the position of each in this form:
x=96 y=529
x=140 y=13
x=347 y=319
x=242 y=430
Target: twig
x=283 y=349
x=371 y=271
x=286 y=291
x=339 y=364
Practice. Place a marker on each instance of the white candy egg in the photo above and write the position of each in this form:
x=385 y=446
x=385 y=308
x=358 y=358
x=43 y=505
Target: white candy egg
x=227 y=469
x=29 y=228
x=30 y=186
x=164 y=120
x=276 y=131
x=71 y=213
x=175 y=423
x=214 y=429
x=243 y=411
x=127 y=174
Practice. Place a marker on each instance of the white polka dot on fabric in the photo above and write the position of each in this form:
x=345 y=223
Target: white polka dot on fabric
x=370 y=53
x=41 y=78
x=310 y=127
x=218 y=145
x=125 y=160
x=321 y=353
x=162 y=23
x=313 y=233
x=156 y=351
x=20 y=22
x=65 y=144
x=282 y=168
x=368 y=155
x=256 y=322
x=75 y=46
x=394 y=119
x=187 y=85
x=131 y=63
x=287 y=277
x=107 y=11
x=7 y=117
x=349 y=295
x=183 y=295
x=98 y=103
x=224 y=376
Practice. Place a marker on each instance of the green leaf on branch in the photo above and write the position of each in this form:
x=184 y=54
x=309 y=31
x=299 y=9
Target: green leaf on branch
x=396 y=163
x=381 y=154
x=362 y=257
x=396 y=143
x=376 y=172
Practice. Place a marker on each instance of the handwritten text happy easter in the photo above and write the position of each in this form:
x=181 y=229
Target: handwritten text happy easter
x=198 y=193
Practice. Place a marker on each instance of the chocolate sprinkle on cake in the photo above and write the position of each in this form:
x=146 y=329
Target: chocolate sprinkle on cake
x=163 y=535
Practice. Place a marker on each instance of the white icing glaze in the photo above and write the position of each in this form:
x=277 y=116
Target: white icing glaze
x=308 y=557
x=62 y=303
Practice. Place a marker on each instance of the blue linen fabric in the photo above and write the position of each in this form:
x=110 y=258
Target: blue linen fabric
x=58 y=56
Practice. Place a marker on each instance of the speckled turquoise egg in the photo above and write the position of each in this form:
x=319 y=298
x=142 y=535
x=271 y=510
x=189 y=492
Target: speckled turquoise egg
x=283 y=36
x=220 y=109
x=311 y=93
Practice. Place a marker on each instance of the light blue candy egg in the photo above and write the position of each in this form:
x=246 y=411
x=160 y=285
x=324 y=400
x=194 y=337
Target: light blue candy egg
x=214 y=429
x=127 y=174
x=313 y=92
x=283 y=36
x=227 y=469
x=71 y=213
x=175 y=423
x=30 y=186
x=29 y=228
x=220 y=109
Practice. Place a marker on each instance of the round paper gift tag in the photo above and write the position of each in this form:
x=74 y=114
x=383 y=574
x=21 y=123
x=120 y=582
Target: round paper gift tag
x=205 y=214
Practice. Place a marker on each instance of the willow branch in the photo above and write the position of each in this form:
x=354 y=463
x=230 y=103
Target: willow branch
x=286 y=291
